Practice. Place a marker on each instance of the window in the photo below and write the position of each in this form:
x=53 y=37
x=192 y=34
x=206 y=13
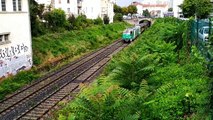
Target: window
x=1 y=38
x=3 y=5
x=14 y=5
x=19 y=5
x=59 y=1
x=68 y=1
x=68 y=10
x=201 y=31
x=4 y=38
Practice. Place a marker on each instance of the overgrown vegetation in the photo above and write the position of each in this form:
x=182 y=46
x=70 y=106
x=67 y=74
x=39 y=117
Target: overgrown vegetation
x=154 y=78
x=118 y=17
x=120 y=11
x=146 y=13
x=199 y=8
x=106 y=19
x=56 y=20
x=51 y=48
x=132 y=9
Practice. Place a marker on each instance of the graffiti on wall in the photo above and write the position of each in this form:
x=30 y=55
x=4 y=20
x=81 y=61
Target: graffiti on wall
x=14 y=59
x=13 y=51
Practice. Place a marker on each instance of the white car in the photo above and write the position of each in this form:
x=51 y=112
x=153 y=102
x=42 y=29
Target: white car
x=127 y=17
x=203 y=33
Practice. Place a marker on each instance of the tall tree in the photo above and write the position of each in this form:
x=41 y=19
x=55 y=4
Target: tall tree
x=170 y=9
x=34 y=12
x=117 y=9
x=125 y=10
x=56 y=19
x=132 y=9
x=146 y=13
x=199 y=8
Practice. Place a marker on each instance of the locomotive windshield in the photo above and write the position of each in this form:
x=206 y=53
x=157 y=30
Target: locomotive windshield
x=127 y=31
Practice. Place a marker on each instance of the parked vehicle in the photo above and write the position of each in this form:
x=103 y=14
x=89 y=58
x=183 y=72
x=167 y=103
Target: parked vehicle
x=203 y=33
x=127 y=17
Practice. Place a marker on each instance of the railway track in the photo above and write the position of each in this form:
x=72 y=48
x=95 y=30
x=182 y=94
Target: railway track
x=37 y=99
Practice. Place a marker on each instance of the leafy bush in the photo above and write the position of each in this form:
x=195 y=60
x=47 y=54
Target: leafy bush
x=37 y=28
x=56 y=19
x=106 y=19
x=118 y=17
x=98 y=21
x=80 y=22
x=71 y=20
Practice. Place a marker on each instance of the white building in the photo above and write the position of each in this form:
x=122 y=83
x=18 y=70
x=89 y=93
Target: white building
x=45 y=2
x=156 y=10
x=139 y=7
x=170 y=3
x=156 y=2
x=96 y=8
x=69 y=6
x=176 y=9
x=107 y=9
x=92 y=9
x=15 y=37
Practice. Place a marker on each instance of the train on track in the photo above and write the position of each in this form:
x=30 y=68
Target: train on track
x=131 y=33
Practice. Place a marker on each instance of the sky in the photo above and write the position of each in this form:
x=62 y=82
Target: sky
x=126 y=2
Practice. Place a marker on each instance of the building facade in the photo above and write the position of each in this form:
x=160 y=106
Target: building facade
x=96 y=8
x=176 y=9
x=69 y=6
x=15 y=37
x=139 y=7
x=156 y=9
x=107 y=9
x=92 y=9
x=45 y=2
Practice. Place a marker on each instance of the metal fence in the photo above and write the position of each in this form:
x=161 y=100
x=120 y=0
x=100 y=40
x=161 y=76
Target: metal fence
x=201 y=31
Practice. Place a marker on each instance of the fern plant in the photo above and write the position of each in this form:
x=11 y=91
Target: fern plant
x=113 y=104
x=133 y=69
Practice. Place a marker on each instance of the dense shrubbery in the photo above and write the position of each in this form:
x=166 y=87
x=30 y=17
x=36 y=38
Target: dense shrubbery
x=37 y=28
x=55 y=19
x=43 y=22
x=50 y=48
x=118 y=17
x=153 y=79
x=98 y=21
x=106 y=19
